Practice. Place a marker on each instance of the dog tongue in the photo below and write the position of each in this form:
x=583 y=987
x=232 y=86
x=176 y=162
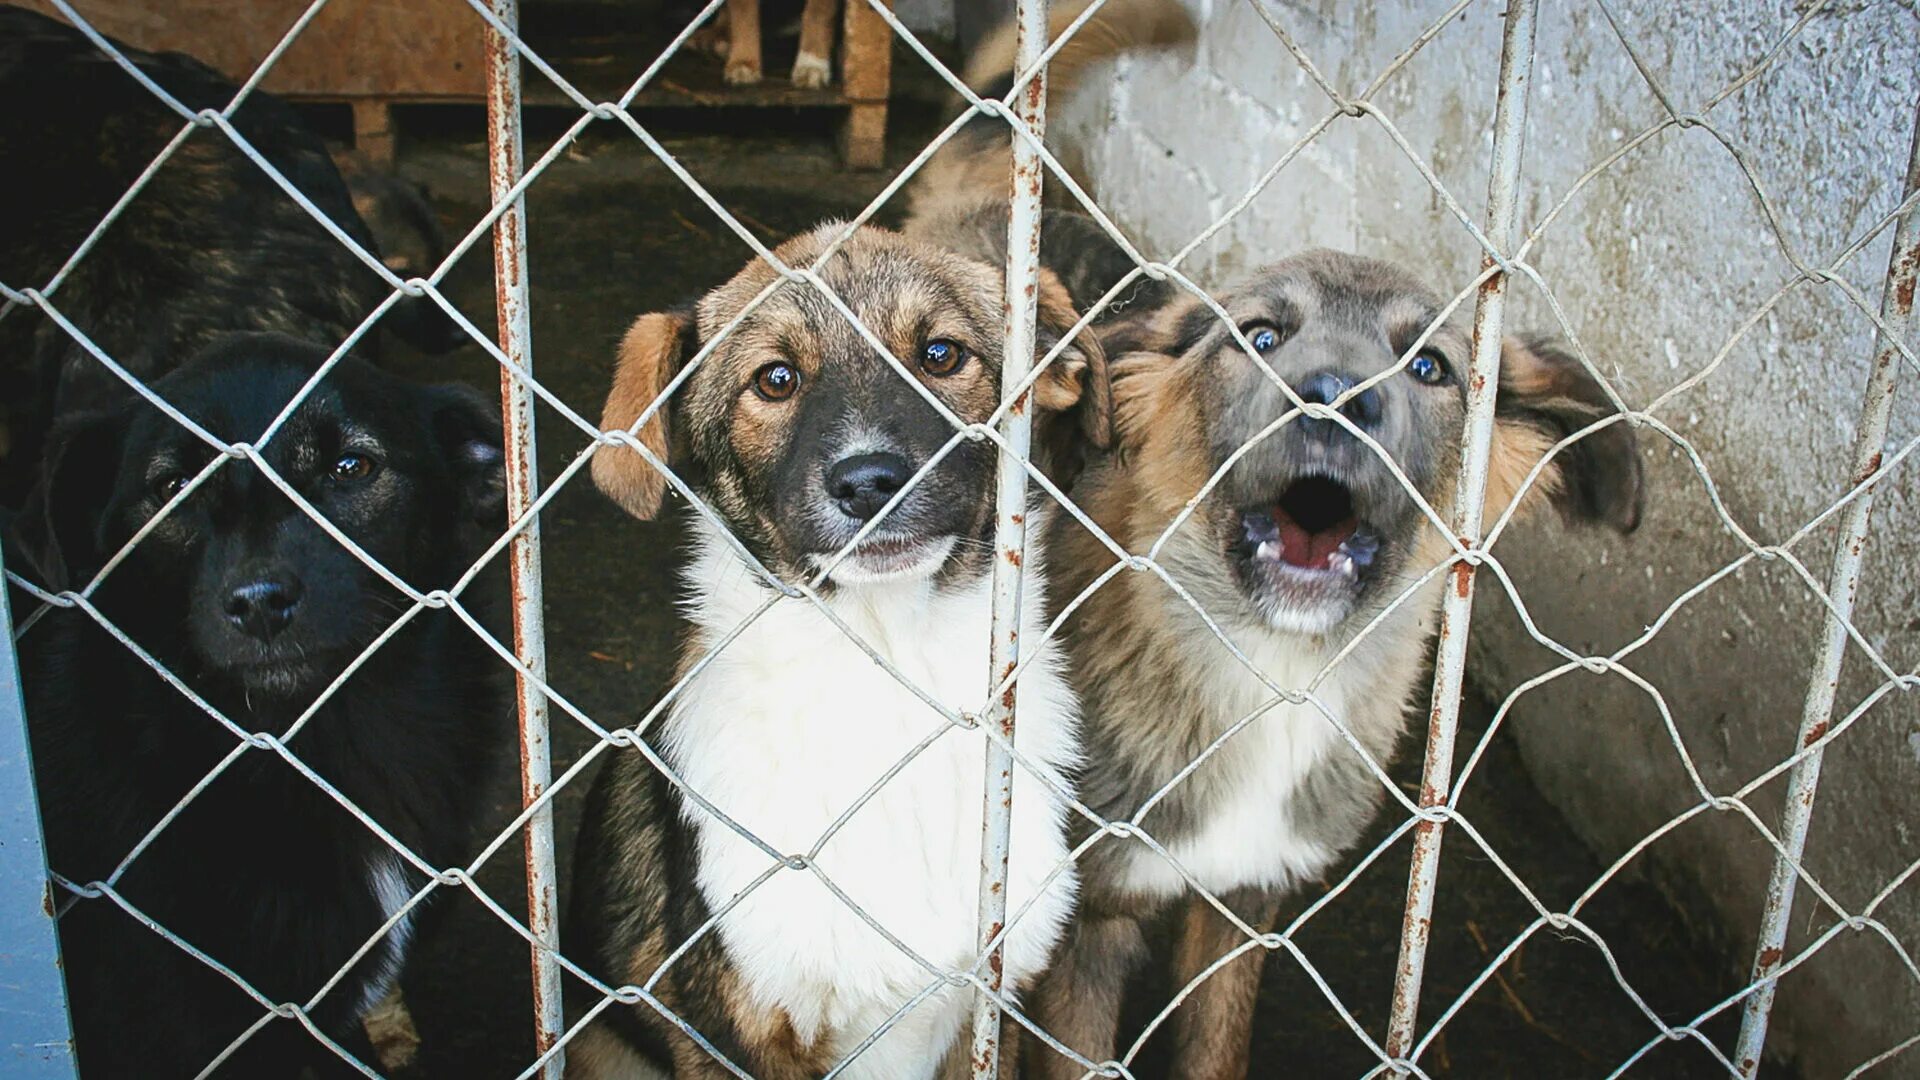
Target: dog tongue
x=1310 y=550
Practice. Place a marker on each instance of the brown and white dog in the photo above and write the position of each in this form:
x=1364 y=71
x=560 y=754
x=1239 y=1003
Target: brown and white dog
x=799 y=435
x=1305 y=541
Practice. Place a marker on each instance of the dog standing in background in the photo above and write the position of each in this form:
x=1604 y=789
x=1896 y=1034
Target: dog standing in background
x=735 y=36
x=1306 y=541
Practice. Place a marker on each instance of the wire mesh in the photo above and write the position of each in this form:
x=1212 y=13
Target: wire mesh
x=1470 y=556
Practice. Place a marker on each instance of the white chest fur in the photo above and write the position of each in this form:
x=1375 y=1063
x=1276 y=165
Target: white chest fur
x=1248 y=836
x=392 y=887
x=787 y=731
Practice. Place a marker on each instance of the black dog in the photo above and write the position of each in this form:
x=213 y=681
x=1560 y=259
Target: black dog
x=252 y=605
x=210 y=245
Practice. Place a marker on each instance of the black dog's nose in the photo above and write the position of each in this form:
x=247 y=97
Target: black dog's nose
x=263 y=608
x=863 y=483
x=1362 y=408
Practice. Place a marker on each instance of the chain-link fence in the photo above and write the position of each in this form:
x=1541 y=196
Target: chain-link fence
x=992 y=717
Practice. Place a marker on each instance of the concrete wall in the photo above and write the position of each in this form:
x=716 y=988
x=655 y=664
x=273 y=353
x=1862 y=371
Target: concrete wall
x=1656 y=263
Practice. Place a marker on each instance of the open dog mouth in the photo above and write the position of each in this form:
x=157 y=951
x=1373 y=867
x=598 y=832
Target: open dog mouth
x=1311 y=528
x=1305 y=557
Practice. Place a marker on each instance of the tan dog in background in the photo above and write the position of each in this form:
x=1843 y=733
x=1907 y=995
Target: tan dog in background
x=734 y=35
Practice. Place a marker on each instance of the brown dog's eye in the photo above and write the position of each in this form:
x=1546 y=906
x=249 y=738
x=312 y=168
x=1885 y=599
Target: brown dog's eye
x=942 y=358
x=352 y=466
x=776 y=381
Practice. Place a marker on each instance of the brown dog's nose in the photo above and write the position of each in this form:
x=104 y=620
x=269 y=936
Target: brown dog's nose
x=863 y=483
x=264 y=607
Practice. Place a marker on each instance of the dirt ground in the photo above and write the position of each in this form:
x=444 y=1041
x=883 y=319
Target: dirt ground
x=613 y=234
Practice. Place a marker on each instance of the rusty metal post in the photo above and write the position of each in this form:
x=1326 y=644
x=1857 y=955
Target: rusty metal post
x=504 y=166
x=1843 y=584
x=1483 y=377
x=1010 y=528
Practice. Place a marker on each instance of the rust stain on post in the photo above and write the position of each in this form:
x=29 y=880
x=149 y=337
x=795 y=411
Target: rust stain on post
x=1481 y=377
x=1843 y=584
x=505 y=166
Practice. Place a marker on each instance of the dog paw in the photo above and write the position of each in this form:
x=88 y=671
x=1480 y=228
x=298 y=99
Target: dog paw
x=389 y=1027
x=740 y=73
x=811 y=72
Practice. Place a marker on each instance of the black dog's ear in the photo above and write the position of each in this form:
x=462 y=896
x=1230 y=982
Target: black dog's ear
x=466 y=428
x=1546 y=388
x=57 y=533
x=652 y=353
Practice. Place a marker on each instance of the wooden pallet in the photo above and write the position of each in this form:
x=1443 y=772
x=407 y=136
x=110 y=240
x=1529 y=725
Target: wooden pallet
x=375 y=54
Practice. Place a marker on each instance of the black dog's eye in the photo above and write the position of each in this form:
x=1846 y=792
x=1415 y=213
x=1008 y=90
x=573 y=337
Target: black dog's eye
x=352 y=466
x=167 y=485
x=1430 y=368
x=1264 y=337
x=776 y=382
x=942 y=357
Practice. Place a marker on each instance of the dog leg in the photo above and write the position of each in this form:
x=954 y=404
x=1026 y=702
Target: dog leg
x=599 y=1054
x=1078 y=1000
x=390 y=1029
x=813 y=66
x=1213 y=1028
x=743 y=55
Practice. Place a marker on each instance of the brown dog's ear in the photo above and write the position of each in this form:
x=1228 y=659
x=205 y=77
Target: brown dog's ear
x=1169 y=326
x=1075 y=389
x=1077 y=379
x=652 y=353
x=1545 y=388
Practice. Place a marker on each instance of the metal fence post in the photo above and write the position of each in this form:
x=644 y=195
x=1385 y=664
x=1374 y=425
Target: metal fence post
x=1483 y=377
x=1843 y=584
x=1010 y=528
x=35 y=1037
x=504 y=167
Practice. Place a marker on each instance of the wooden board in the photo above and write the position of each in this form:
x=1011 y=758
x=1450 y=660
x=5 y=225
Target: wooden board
x=377 y=53
x=414 y=49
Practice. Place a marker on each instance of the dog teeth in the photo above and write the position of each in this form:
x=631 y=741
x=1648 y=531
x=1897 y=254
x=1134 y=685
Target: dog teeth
x=1267 y=550
x=1361 y=547
x=1343 y=564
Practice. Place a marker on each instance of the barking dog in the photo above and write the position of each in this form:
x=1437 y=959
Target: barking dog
x=257 y=610
x=1304 y=542
x=800 y=434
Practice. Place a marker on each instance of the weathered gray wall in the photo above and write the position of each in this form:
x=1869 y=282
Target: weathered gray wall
x=1656 y=263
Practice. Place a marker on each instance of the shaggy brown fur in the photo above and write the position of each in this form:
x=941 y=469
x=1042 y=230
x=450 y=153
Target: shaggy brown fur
x=1159 y=688
x=976 y=163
